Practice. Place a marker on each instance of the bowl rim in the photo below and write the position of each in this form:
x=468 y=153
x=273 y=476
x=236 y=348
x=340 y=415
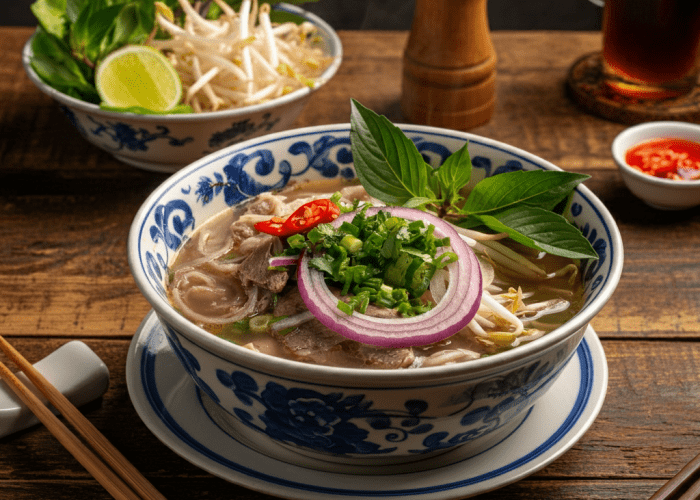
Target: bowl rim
x=264 y=363
x=650 y=131
x=335 y=46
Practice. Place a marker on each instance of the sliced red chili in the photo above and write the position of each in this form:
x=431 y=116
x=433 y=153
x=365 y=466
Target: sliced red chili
x=303 y=219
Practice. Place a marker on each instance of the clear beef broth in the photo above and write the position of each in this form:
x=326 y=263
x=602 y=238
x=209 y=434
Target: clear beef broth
x=221 y=272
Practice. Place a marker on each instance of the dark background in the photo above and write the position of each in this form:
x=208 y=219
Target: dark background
x=397 y=14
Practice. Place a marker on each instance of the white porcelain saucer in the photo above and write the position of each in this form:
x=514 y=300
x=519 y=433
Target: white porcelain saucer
x=170 y=405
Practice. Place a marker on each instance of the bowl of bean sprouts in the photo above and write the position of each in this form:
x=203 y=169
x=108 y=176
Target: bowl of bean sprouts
x=373 y=412
x=242 y=75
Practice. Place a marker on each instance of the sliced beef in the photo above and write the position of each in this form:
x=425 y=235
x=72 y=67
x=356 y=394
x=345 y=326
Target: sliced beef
x=254 y=269
x=314 y=343
x=289 y=303
x=380 y=357
x=240 y=232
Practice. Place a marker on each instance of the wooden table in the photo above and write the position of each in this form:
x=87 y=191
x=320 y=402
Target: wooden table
x=66 y=207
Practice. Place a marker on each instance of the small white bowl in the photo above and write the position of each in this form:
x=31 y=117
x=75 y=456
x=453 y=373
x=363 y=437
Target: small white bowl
x=166 y=143
x=664 y=194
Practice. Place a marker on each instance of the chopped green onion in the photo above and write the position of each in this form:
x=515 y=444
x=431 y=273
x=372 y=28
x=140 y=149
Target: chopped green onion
x=259 y=324
x=380 y=259
x=351 y=243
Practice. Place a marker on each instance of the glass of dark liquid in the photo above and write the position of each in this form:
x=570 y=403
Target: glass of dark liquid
x=651 y=47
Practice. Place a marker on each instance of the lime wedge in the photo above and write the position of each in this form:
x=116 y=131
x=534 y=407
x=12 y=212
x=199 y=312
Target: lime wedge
x=138 y=75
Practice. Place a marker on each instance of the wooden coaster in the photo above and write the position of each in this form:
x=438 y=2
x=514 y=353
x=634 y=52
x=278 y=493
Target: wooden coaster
x=585 y=87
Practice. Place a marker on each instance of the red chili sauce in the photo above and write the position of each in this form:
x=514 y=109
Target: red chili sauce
x=677 y=159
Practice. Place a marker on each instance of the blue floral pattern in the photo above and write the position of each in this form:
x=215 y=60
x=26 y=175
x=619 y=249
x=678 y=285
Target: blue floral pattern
x=334 y=422
x=74 y=120
x=124 y=135
x=329 y=156
x=325 y=422
x=189 y=362
x=172 y=220
x=241 y=130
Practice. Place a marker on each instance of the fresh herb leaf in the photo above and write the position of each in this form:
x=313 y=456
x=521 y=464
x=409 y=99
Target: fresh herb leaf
x=523 y=204
x=103 y=27
x=73 y=9
x=85 y=31
x=540 y=188
x=540 y=229
x=453 y=174
x=387 y=163
x=51 y=15
x=53 y=63
x=421 y=202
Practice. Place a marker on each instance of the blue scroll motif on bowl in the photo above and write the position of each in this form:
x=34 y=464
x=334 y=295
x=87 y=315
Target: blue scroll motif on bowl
x=124 y=135
x=343 y=424
x=332 y=421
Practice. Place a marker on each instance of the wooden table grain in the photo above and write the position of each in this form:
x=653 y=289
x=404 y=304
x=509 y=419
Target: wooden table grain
x=66 y=207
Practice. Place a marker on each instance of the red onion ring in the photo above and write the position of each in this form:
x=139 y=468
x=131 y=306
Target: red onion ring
x=457 y=308
x=284 y=260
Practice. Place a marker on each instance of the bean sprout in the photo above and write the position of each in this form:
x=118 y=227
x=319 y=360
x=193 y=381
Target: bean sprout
x=233 y=61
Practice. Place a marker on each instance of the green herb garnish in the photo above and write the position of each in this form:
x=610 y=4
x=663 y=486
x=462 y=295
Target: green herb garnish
x=377 y=259
x=527 y=205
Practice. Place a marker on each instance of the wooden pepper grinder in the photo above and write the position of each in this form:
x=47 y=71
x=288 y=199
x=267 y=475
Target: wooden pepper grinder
x=449 y=65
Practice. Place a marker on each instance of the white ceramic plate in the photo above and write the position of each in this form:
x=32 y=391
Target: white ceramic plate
x=168 y=402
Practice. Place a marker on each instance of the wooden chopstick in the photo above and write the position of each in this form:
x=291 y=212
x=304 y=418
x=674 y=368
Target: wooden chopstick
x=682 y=480
x=114 y=472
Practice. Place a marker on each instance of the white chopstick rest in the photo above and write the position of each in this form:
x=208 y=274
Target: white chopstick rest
x=74 y=369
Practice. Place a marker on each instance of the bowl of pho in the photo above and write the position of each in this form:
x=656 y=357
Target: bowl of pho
x=166 y=84
x=367 y=293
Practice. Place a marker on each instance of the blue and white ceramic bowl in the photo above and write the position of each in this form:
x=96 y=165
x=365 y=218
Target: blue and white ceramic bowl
x=168 y=143
x=355 y=416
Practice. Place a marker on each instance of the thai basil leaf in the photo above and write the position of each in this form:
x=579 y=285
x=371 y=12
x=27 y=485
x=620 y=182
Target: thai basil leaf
x=388 y=164
x=54 y=64
x=454 y=173
x=101 y=29
x=420 y=202
x=81 y=31
x=74 y=8
x=541 y=188
x=132 y=26
x=51 y=15
x=540 y=229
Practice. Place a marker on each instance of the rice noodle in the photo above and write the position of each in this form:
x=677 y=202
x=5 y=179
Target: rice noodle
x=182 y=299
